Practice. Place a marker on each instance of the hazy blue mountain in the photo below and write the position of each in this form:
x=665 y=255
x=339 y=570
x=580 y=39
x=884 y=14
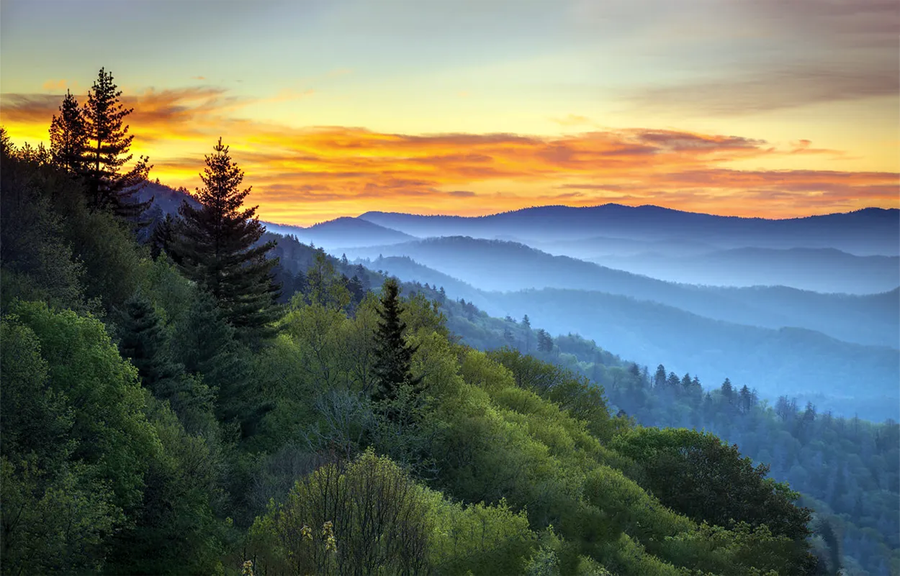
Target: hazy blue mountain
x=775 y=361
x=864 y=232
x=607 y=246
x=818 y=269
x=342 y=233
x=409 y=270
x=503 y=266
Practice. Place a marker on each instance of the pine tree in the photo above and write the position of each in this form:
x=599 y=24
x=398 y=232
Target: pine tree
x=393 y=356
x=162 y=237
x=217 y=246
x=68 y=137
x=145 y=344
x=544 y=341
x=659 y=379
x=108 y=142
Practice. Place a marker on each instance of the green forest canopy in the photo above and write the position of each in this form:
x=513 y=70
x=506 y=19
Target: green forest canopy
x=146 y=432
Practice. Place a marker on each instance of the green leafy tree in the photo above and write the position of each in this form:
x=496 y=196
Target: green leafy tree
x=76 y=442
x=110 y=187
x=367 y=517
x=217 y=246
x=68 y=137
x=324 y=285
x=708 y=480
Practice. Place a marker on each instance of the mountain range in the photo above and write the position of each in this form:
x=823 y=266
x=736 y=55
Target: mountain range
x=864 y=232
x=803 y=306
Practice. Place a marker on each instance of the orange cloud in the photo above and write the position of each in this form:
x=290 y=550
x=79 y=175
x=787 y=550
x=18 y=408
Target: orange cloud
x=55 y=85
x=304 y=175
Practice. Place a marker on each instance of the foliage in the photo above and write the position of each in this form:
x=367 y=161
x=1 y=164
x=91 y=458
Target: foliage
x=364 y=437
x=708 y=480
x=214 y=246
x=106 y=152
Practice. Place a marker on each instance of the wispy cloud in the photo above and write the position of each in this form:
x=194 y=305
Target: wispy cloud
x=55 y=85
x=302 y=174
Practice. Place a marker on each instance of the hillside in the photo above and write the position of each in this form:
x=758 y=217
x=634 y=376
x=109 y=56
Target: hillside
x=820 y=270
x=492 y=265
x=768 y=430
x=147 y=431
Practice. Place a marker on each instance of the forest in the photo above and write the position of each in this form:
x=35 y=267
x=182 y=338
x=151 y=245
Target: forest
x=189 y=394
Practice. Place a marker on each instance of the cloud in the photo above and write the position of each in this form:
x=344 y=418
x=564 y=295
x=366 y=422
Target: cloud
x=300 y=174
x=774 y=89
x=198 y=77
x=55 y=85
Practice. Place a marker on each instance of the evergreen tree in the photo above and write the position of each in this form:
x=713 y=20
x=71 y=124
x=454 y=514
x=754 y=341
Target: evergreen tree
x=217 y=246
x=108 y=142
x=68 y=136
x=727 y=390
x=544 y=341
x=393 y=356
x=144 y=342
x=526 y=324
x=162 y=237
x=659 y=379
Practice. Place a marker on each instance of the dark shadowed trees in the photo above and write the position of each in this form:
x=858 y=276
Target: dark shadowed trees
x=217 y=246
x=109 y=186
x=68 y=137
x=393 y=356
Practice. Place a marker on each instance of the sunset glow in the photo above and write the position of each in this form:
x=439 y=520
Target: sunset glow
x=541 y=103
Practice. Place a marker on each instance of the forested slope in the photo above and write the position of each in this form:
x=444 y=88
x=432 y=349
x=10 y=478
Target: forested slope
x=163 y=414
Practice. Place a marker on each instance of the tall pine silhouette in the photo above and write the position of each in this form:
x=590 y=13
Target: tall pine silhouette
x=68 y=137
x=217 y=245
x=393 y=356
x=108 y=143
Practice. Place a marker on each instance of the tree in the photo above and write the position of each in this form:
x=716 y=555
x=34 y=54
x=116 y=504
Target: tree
x=393 y=356
x=324 y=284
x=659 y=378
x=217 y=246
x=727 y=390
x=365 y=517
x=526 y=324
x=108 y=142
x=698 y=475
x=144 y=342
x=544 y=341
x=68 y=137
x=162 y=236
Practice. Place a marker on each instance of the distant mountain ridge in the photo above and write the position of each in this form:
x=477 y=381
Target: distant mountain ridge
x=492 y=265
x=865 y=232
x=817 y=269
x=344 y=232
x=775 y=360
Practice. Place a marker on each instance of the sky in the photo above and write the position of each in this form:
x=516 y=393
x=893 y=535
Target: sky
x=768 y=108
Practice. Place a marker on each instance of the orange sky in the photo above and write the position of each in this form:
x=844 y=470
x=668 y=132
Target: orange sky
x=514 y=114
x=308 y=175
